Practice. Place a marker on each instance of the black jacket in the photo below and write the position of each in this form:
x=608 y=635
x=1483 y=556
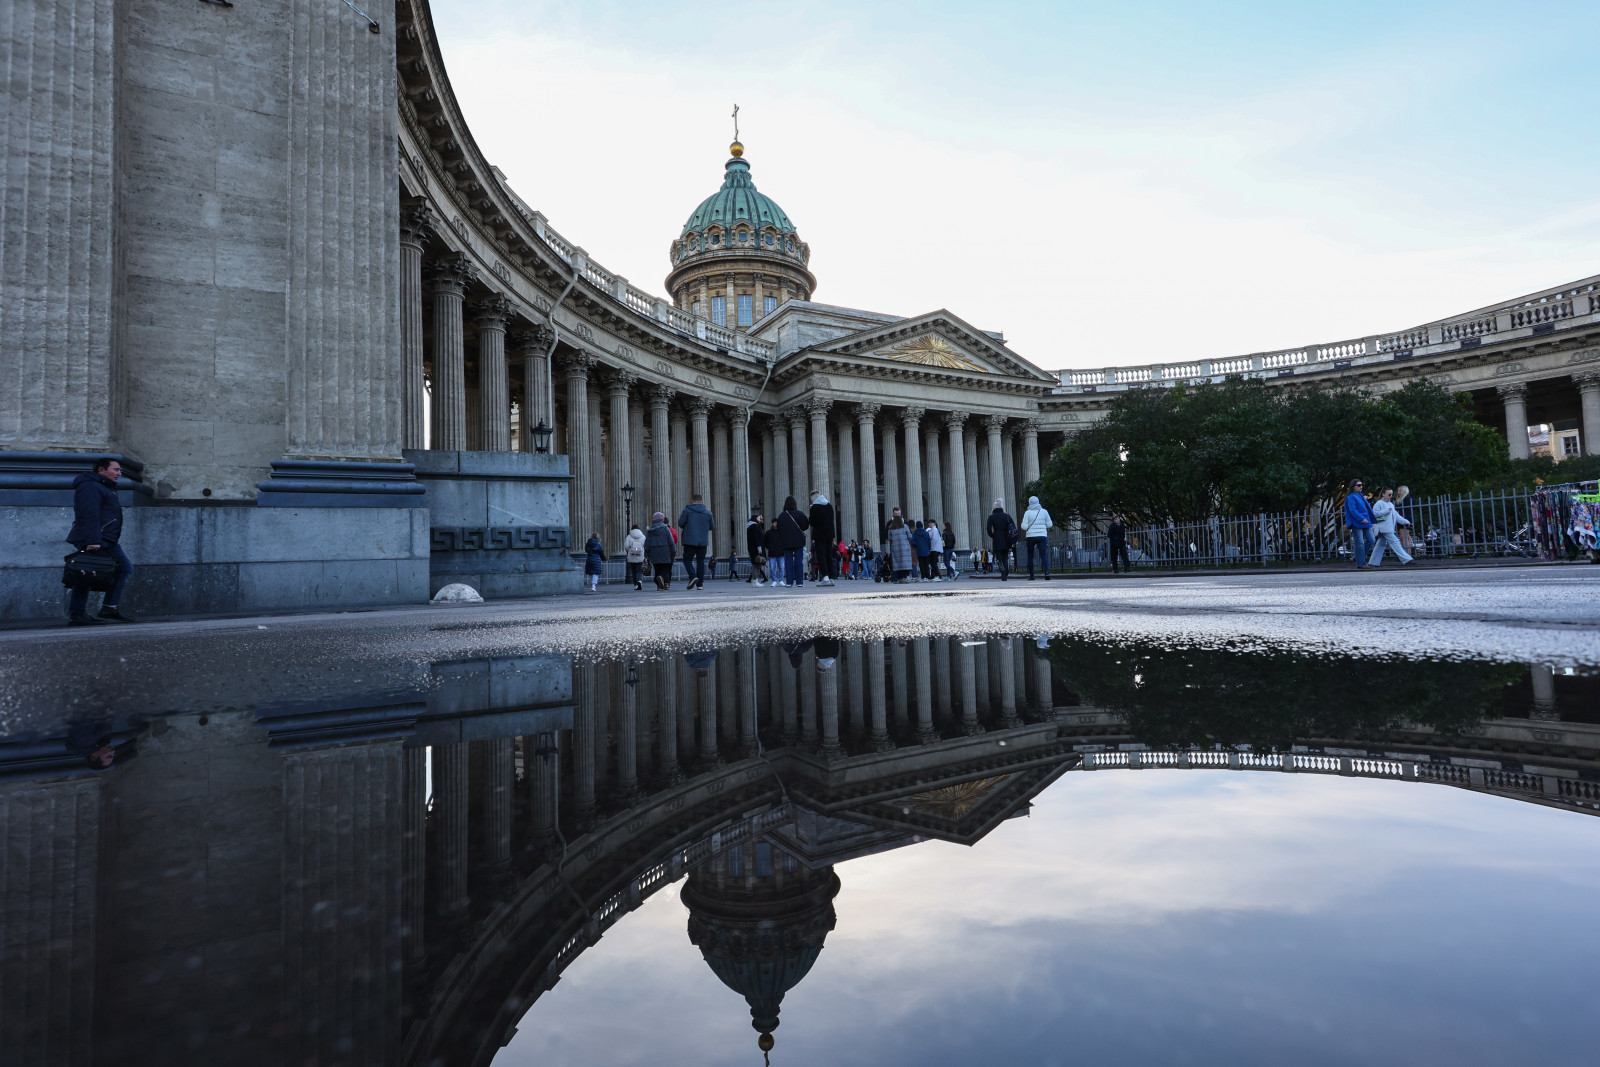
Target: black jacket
x=999 y=529
x=822 y=524
x=754 y=539
x=772 y=541
x=792 y=529
x=1117 y=533
x=97 y=513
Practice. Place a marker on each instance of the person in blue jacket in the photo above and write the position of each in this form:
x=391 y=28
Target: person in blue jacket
x=1358 y=516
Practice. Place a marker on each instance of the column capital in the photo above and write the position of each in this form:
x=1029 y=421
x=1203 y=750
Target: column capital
x=796 y=416
x=417 y=222
x=1030 y=427
x=1513 y=391
x=699 y=407
x=660 y=396
x=955 y=420
x=912 y=415
x=536 y=337
x=818 y=405
x=577 y=364
x=619 y=382
x=492 y=313
x=867 y=411
x=450 y=274
x=1588 y=381
x=738 y=416
x=994 y=423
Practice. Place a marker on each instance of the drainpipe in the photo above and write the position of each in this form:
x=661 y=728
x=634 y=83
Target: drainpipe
x=747 y=409
x=550 y=353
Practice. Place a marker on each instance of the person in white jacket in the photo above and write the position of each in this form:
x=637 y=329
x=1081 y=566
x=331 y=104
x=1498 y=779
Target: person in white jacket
x=1035 y=530
x=633 y=552
x=1385 y=518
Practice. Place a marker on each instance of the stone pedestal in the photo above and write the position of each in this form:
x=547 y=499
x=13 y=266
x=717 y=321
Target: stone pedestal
x=498 y=522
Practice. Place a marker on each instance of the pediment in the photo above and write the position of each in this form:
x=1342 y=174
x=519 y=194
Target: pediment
x=939 y=341
x=961 y=811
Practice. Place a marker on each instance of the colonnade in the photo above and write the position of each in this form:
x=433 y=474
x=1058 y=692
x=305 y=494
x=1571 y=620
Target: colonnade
x=1514 y=396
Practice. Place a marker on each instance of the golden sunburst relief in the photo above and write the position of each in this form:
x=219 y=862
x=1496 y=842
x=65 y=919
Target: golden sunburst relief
x=954 y=801
x=930 y=350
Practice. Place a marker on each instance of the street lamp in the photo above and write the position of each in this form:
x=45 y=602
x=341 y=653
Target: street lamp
x=627 y=503
x=541 y=437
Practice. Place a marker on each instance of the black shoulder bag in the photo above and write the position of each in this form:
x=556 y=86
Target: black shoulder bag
x=94 y=571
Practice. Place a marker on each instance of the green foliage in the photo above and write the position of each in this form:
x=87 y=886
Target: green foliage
x=1541 y=470
x=1240 y=447
x=1273 y=699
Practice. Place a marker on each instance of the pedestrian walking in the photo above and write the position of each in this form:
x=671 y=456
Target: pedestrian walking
x=659 y=548
x=772 y=541
x=901 y=556
x=1386 y=518
x=950 y=572
x=633 y=554
x=755 y=544
x=594 y=561
x=1117 y=544
x=824 y=536
x=1358 y=516
x=1035 y=527
x=935 y=550
x=696 y=522
x=1402 y=507
x=1002 y=531
x=921 y=545
x=792 y=526
x=97 y=528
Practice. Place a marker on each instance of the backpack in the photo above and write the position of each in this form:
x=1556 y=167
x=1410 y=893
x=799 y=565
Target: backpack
x=1011 y=532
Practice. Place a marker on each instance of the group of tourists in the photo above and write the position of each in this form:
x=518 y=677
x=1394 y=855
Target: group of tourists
x=1377 y=523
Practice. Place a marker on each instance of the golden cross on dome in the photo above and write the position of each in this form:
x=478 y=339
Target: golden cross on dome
x=735 y=122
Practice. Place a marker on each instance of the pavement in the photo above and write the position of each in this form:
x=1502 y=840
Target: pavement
x=1545 y=614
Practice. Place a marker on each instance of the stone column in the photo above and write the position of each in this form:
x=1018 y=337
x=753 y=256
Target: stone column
x=413 y=853
x=1009 y=458
x=1516 y=401
x=448 y=279
x=1030 y=451
x=922 y=668
x=848 y=526
x=995 y=425
x=585 y=719
x=497 y=778
x=769 y=481
x=639 y=438
x=739 y=449
x=932 y=474
x=975 y=509
x=494 y=390
x=660 y=456
x=746 y=702
x=898 y=673
x=828 y=711
x=533 y=345
x=627 y=707
x=1589 y=395
x=450 y=816
x=620 y=458
x=800 y=471
x=1043 y=695
x=1002 y=656
x=958 y=519
x=721 y=496
x=679 y=420
x=667 y=693
x=869 y=522
x=892 y=497
x=818 y=407
x=911 y=423
x=416 y=227
x=474 y=408
x=540 y=764
x=700 y=447
x=807 y=678
x=967 y=682
x=877 y=697
x=710 y=756
x=780 y=465
x=576 y=368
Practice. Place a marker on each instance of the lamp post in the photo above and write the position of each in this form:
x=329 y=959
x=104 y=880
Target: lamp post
x=541 y=437
x=627 y=505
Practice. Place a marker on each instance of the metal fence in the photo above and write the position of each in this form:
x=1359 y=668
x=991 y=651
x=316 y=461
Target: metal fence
x=1472 y=525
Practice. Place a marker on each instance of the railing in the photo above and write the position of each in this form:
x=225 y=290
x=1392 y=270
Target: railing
x=1503 y=523
x=1539 y=311
x=1576 y=791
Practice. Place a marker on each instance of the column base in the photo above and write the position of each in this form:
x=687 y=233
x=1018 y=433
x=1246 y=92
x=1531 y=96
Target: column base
x=324 y=483
x=44 y=479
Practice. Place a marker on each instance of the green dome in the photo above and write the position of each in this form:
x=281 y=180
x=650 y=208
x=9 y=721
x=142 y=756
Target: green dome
x=738 y=201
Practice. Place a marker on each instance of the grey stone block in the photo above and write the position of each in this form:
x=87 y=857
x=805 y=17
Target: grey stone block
x=456 y=502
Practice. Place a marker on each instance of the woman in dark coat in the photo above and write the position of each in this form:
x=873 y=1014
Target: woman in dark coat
x=901 y=558
x=659 y=548
x=792 y=525
x=594 y=561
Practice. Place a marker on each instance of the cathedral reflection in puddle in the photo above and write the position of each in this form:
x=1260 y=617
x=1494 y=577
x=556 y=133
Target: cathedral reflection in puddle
x=398 y=878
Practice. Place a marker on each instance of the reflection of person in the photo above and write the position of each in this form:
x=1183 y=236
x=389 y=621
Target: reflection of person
x=701 y=661
x=93 y=742
x=97 y=527
x=827 y=650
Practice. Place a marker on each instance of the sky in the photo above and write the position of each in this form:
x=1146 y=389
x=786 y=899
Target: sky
x=1146 y=917
x=1108 y=184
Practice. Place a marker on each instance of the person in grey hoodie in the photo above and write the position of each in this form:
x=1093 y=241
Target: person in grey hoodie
x=694 y=526
x=1035 y=529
